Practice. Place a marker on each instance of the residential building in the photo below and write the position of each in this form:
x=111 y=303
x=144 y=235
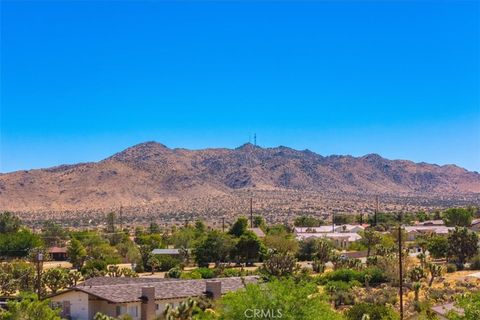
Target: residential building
x=58 y=253
x=168 y=252
x=140 y=298
x=345 y=228
x=339 y=240
x=431 y=223
x=414 y=231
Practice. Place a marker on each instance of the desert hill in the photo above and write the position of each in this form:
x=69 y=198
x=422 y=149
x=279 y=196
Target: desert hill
x=150 y=173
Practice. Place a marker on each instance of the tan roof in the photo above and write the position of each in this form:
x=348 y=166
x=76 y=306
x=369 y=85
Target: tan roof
x=116 y=291
x=258 y=232
x=57 y=250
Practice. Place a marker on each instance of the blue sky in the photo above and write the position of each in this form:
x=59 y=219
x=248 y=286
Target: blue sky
x=82 y=80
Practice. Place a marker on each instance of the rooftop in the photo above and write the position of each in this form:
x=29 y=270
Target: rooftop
x=166 y=251
x=123 y=290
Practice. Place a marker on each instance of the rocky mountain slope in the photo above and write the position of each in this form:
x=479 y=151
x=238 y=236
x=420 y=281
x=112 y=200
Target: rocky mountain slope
x=150 y=172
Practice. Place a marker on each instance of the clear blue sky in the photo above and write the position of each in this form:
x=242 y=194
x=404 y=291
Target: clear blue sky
x=81 y=80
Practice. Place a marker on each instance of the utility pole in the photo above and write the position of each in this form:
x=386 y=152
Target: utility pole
x=39 y=265
x=255 y=139
x=376 y=211
x=121 y=218
x=251 y=212
x=400 y=266
x=333 y=221
x=223 y=224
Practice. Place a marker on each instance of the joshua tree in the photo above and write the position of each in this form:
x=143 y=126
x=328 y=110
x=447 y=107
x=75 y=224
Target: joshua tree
x=416 y=289
x=74 y=277
x=435 y=271
x=183 y=312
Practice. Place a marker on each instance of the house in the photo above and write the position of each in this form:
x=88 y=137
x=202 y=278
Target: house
x=140 y=298
x=339 y=239
x=169 y=252
x=58 y=253
x=414 y=231
x=431 y=223
x=345 y=228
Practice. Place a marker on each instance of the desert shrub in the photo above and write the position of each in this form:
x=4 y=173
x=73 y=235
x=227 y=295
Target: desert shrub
x=226 y=273
x=451 y=267
x=191 y=275
x=206 y=273
x=475 y=263
x=377 y=276
x=91 y=265
x=174 y=273
x=345 y=275
x=374 y=312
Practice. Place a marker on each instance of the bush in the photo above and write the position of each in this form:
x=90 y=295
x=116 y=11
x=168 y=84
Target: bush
x=475 y=263
x=374 y=311
x=94 y=265
x=191 y=275
x=174 y=273
x=345 y=275
x=167 y=262
x=451 y=267
x=206 y=273
x=377 y=276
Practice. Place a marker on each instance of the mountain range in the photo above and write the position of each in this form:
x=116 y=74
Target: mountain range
x=153 y=173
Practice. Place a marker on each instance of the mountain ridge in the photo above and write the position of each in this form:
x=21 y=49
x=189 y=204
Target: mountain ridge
x=150 y=172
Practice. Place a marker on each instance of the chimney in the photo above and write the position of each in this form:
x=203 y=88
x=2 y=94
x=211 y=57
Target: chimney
x=214 y=289
x=148 y=303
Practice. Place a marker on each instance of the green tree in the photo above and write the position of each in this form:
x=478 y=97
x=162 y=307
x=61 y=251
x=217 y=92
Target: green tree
x=53 y=234
x=458 y=217
x=437 y=246
x=282 y=242
x=76 y=253
x=283 y=299
x=370 y=239
x=9 y=223
x=343 y=218
x=315 y=249
x=30 y=308
x=279 y=264
x=111 y=221
x=239 y=227
x=248 y=248
x=259 y=222
x=307 y=221
x=55 y=279
x=216 y=247
x=462 y=245
x=18 y=244
x=154 y=228
x=200 y=227
x=129 y=251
